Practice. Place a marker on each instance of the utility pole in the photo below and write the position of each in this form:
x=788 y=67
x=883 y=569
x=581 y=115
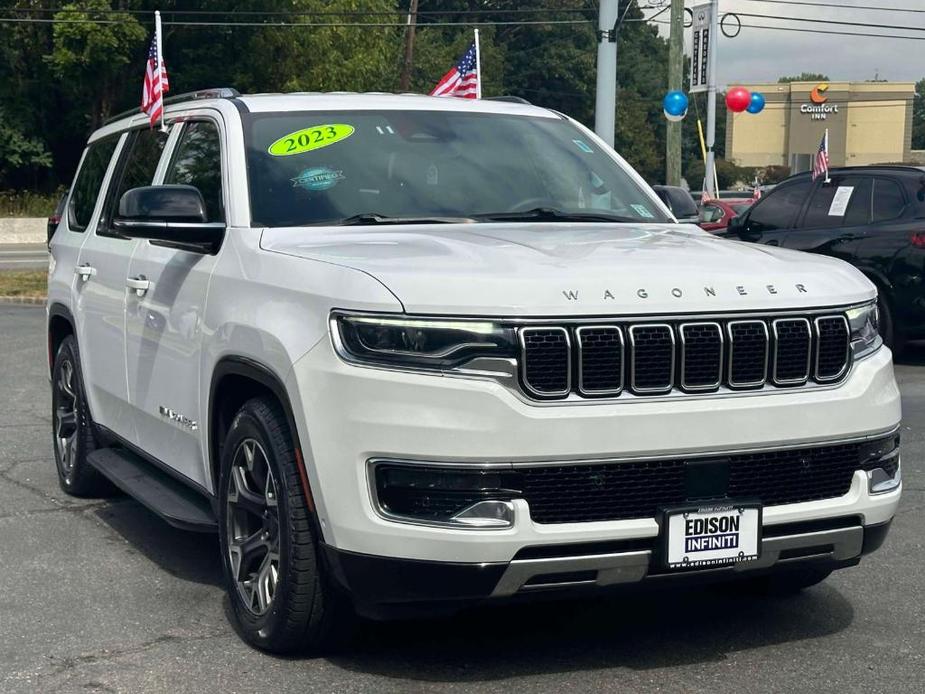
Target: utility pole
x=711 y=101
x=675 y=81
x=404 y=82
x=605 y=105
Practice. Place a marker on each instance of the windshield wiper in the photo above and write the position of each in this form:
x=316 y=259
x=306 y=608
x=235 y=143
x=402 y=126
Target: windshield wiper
x=551 y=214
x=374 y=218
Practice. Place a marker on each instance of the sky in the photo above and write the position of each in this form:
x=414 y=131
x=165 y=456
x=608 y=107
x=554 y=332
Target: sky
x=764 y=55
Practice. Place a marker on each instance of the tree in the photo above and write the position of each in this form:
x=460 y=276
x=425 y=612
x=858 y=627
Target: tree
x=804 y=77
x=18 y=151
x=918 y=116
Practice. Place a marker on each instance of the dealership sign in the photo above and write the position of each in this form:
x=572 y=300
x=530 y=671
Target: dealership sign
x=819 y=108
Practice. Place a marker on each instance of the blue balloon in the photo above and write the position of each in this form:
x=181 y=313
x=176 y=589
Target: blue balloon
x=675 y=103
x=756 y=104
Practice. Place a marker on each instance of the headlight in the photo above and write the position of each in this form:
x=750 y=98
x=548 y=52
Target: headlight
x=865 y=329
x=419 y=342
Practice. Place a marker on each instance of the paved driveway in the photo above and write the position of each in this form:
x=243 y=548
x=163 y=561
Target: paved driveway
x=102 y=596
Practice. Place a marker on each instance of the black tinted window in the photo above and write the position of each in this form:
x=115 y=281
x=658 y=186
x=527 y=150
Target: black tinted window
x=137 y=166
x=198 y=162
x=778 y=210
x=888 y=200
x=86 y=187
x=843 y=202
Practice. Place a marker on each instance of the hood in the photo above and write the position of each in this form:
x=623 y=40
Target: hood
x=575 y=269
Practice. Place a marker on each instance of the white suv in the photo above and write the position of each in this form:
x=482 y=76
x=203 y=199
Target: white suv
x=407 y=354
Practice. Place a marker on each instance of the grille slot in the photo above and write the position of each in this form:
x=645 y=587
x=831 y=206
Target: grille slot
x=600 y=360
x=833 y=346
x=701 y=356
x=792 y=350
x=547 y=363
x=748 y=353
x=652 y=357
x=639 y=489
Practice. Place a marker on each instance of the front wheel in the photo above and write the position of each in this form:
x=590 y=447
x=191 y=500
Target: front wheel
x=280 y=594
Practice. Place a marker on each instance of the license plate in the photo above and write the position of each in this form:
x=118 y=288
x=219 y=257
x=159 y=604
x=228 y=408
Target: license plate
x=711 y=535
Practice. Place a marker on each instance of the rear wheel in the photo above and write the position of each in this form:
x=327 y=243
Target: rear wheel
x=280 y=594
x=72 y=427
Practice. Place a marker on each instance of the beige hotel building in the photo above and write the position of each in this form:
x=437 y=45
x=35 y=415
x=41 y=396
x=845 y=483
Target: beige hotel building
x=868 y=123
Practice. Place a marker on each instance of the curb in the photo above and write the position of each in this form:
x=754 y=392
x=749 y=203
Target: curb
x=23 y=300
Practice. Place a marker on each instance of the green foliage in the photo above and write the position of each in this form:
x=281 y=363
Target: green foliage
x=773 y=174
x=18 y=151
x=27 y=203
x=804 y=77
x=918 y=116
x=727 y=173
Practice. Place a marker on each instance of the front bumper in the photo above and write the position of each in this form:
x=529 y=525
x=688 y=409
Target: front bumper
x=384 y=587
x=348 y=415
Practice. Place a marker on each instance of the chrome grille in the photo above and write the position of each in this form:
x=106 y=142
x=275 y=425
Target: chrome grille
x=792 y=350
x=600 y=360
x=641 y=358
x=547 y=364
x=833 y=336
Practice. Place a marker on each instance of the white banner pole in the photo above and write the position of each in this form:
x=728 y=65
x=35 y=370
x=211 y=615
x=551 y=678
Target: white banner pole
x=827 y=179
x=478 y=67
x=160 y=64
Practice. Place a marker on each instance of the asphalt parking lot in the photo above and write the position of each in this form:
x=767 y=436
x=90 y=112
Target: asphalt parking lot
x=103 y=596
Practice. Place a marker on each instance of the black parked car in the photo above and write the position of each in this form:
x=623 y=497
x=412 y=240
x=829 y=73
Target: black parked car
x=55 y=218
x=870 y=216
x=680 y=202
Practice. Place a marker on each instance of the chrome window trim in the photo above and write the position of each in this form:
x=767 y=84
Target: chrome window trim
x=719 y=369
x=651 y=391
x=847 y=364
x=600 y=391
x=809 y=352
x=523 y=361
x=767 y=354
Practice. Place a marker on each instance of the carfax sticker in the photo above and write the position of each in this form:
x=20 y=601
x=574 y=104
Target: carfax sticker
x=309 y=139
x=643 y=211
x=583 y=146
x=318 y=178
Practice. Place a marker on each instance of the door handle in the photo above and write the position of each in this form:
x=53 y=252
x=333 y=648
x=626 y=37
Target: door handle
x=139 y=284
x=86 y=271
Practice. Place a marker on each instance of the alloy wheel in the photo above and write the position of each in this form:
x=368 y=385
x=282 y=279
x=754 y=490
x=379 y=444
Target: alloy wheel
x=253 y=526
x=66 y=421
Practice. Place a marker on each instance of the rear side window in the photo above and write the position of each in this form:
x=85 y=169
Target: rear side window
x=138 y=163
x=198 y=162
x=889 y=202
x=87 y=185
x=779 y=209
x=842 y=203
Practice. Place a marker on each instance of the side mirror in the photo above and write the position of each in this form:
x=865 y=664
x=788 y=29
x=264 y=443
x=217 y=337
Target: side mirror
x=172 y=214
x=737 y=223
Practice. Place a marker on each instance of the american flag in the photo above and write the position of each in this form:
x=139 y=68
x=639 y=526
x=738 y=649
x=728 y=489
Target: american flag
x=156 y=84
x=821 y=160
x=463 y=79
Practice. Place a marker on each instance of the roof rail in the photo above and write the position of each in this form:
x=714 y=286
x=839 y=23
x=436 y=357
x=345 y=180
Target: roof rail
x=216 y=93
x=508 y=98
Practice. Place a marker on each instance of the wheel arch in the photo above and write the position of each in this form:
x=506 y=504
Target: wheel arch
x=60 y=325
x=235 y=380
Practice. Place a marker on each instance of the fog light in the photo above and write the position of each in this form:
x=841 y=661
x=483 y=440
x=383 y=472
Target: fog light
x=462 y=497
x=887 y=478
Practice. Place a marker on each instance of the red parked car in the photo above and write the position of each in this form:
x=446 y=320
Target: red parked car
x=715 y=214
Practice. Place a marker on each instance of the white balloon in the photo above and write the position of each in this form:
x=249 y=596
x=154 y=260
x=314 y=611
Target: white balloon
x=674 y=119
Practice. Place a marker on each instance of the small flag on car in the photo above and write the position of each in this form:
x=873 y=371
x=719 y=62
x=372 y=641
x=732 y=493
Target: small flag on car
x=155 y=84
x=464 y=78
x=821 y=160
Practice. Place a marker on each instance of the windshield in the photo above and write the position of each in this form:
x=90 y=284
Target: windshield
x=368 y=166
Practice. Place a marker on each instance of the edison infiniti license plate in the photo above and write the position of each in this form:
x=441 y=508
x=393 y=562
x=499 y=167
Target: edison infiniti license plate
x=712 y=535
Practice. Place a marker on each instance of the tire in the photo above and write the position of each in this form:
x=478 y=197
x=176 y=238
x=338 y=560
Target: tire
x=282 y=600
x=784 y=583
x=72 y=427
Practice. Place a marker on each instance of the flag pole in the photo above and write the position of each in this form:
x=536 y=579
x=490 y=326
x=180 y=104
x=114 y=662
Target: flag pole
x=478 y=67
x=160 y=64
x=827 y=179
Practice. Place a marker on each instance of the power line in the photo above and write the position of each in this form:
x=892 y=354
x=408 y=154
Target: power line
x=819 y=31
x=294 y=12
x=865 y=25
x=840 y=6
x=280 y=25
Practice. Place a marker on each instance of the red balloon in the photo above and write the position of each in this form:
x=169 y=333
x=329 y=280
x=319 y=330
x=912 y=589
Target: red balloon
x=738 y=99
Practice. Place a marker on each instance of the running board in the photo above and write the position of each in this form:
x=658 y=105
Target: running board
x=179 y=505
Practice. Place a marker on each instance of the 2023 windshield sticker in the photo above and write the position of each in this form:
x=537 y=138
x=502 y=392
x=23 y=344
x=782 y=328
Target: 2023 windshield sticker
x=310 y=139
